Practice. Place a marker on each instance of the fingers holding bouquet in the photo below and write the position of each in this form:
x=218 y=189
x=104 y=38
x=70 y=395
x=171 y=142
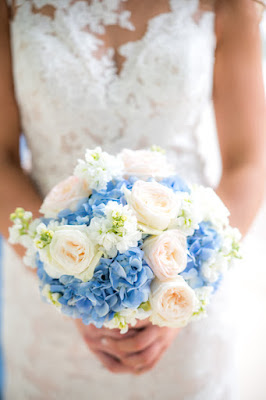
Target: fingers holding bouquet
x=135 y=352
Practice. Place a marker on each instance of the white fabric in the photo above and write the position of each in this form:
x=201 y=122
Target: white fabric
x=69 y=100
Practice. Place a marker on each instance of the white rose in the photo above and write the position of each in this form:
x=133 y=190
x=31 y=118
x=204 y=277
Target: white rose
x=172 y=302
x=154 y=205
x=145 y=164
x=71 y=252
x=64 y=195
x=166 y=254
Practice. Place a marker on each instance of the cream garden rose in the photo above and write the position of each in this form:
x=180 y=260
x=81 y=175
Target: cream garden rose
x=64 y=195
x=154 y=205
x=166 y=254
x=71 y=252
x=172 y=302
x=145 y=164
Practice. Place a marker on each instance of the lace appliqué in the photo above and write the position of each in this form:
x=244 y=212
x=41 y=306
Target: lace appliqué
x=72 y=97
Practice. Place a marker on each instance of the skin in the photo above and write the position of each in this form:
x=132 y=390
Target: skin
x=239 y=102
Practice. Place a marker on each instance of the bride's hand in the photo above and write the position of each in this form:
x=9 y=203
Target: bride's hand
x=135 y=352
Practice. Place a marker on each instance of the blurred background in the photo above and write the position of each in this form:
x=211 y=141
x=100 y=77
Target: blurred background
x=248 y=294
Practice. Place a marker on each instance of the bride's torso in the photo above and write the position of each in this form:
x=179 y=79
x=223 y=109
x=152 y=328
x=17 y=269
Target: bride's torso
x=110 y=74
x=86 y=76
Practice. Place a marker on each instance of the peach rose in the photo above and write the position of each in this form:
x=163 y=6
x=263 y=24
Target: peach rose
x=145 y=163
x=166 y=254
x=71 y=252
x=172 y=302
x=64 y=195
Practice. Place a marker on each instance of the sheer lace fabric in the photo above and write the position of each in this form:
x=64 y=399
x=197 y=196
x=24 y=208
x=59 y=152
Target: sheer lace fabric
x=70 y=99
x=71 y=96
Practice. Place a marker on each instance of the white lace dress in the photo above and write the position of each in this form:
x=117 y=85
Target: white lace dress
x=72 y=98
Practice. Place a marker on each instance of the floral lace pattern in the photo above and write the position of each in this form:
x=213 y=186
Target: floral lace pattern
x=71 y=97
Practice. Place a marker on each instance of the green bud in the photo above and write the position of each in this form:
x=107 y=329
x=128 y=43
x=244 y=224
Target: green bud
x=95 y=156
x=157 y=149
x=145 y=306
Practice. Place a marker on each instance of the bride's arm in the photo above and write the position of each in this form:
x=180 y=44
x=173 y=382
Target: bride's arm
x=239 y=101
x=16 y=187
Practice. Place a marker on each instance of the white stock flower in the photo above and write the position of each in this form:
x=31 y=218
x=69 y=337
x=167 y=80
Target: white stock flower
x=231 y=247
x=98 y=168
x=203 y=296
x=20 y=229
x=127 y=317
x=145 y=163
x=116 y=231
x=210 y=206
x=189 y=215
x=172 y=302
x=69 y=251
x=29 y=258
x=155 y=206
x=51 y=298
x=23 y=232
x=223 y=259
x=66 y=194
x=214 y=267
x=166 y=254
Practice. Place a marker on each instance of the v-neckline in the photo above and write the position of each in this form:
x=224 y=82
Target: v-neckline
x=119 y=71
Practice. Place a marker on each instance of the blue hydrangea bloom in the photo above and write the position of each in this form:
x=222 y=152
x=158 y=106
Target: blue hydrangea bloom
x=118 y=283
x=175 y=183
x=202 y=245
x=81 y=216
x=93 y=206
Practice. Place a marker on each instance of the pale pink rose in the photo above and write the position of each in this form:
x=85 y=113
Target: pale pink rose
x=144 y=164
x=64 y=195
x=172 y=302
x=166 y=254
x=154 y=205
x=71 y=252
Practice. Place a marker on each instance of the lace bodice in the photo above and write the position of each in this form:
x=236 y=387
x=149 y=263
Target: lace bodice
x=71 y=95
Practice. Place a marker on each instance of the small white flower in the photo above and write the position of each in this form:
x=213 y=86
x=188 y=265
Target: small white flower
x=203 y=296
x=29 y=258
x=23 y=232
x=21 y=221
x=231 y=247
x=210 y=206
x=98 y=168
x=51 y=298
x=127 y=317
x=116 y=231
x=189 y=215
x=14 y=233
x=214 y=267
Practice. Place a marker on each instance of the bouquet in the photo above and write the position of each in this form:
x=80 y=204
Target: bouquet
x=126 y=239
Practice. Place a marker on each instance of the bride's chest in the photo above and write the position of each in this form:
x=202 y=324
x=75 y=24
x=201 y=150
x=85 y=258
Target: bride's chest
x=95 y=52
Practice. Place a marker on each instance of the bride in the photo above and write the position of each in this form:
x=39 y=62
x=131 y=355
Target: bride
x=126 y=73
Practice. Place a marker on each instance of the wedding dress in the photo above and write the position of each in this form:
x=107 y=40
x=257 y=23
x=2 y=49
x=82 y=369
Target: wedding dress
x=71 y=98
